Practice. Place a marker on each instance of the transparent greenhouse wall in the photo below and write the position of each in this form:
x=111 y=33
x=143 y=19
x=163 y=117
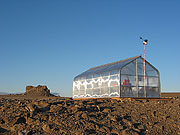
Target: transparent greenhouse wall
x=132 y=80
x=106 y=84
x=127 y=82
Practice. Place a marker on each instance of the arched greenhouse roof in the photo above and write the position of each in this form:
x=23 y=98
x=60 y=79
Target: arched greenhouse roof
x=108 y=67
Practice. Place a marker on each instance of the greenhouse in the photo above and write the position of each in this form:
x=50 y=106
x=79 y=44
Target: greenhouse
x=124 y=78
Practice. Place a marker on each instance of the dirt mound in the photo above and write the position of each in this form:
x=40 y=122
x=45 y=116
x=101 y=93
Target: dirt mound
x=37 y=91
x=57 y=115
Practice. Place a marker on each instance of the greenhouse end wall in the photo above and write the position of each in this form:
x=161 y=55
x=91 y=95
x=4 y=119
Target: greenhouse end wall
x=123 y=79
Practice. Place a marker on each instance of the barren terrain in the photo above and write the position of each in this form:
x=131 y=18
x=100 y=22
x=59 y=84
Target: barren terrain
x=20 y=114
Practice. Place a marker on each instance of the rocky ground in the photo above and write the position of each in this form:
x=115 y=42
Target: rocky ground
x=23 y=115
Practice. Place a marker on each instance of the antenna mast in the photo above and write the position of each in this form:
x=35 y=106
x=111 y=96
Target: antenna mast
x=145 y=42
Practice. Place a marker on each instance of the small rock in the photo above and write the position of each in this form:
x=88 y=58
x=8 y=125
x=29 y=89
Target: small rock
x=154 y=113
x=123 y=132
x=99 y=108
x=2 y=130
x=74 y=109
x=2 y=121
x=137 y=130
x=22 y=132
x=21 y=120
x=29 y=120
x=44 y=109
x=84 y=116
x=43 y=104
x=32 y=107
x=46 y=128
x=107 y=110
x=116 y=131
x=52 y=117
x=127 y=122
x=141 y=127
x=112 y=118
x=55 y=108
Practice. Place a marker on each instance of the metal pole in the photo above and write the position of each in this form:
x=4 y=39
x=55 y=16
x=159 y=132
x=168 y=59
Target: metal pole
x=144 y=73
x=120 y=84
x=136 y=79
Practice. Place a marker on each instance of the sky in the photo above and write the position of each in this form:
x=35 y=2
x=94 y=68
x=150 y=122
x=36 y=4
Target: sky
x=50 y=42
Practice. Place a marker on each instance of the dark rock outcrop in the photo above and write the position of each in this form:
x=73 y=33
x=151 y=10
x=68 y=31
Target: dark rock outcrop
x=37 y=91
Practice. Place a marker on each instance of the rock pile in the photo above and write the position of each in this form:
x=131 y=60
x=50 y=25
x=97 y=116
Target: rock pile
x=37 y=91
x=65 y=116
